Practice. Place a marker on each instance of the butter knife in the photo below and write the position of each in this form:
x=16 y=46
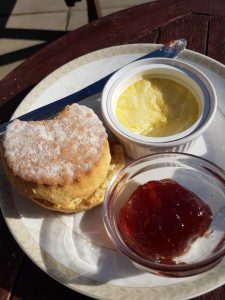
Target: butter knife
x=169 y=50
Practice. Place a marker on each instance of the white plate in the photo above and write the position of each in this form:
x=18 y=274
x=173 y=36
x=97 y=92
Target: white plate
x=74 y=249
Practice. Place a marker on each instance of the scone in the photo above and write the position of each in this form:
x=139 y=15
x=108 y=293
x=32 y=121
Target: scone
x=62 y=164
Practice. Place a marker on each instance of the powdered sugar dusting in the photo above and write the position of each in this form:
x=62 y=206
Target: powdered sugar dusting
x=55 y=151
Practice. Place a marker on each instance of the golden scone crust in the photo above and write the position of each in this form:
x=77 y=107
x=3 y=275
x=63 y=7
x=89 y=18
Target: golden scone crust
x=59 y=163
x=56 y=151
x=68 y=204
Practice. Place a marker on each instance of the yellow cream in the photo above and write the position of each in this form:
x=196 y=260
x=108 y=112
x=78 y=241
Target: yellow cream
x=156 y=107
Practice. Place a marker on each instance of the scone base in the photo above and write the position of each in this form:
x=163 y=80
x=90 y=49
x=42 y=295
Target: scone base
x=96 y=198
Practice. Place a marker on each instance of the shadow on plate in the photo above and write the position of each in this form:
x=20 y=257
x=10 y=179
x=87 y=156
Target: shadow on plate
x=82 y=251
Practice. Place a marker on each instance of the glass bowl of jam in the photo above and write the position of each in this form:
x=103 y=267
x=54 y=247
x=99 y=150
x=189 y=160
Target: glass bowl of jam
x=157 y=105
x=166 y=213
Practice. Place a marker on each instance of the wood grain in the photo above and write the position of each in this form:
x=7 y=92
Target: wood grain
x=148 y=35
x=216 y=43
x=209 y=7
x=217 y=294
x=10 y=260
x=201 y=22
x=131 y=25
x=34 y=284
x=195 y=33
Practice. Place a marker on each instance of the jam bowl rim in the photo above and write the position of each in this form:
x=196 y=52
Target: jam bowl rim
x=189 y=269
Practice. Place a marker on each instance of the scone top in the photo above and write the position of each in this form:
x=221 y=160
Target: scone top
x=56 y=151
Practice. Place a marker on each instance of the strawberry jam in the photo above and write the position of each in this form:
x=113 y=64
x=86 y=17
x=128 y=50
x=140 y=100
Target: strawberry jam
x=161 y=219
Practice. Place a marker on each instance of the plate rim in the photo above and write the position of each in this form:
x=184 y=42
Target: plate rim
x=169 y=291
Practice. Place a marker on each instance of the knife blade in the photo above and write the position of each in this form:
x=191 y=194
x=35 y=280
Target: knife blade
x=169 y=50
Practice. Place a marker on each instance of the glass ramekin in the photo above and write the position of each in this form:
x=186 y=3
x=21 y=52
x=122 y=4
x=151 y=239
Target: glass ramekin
x=198 y=175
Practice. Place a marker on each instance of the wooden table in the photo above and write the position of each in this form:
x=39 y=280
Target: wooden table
x=201 y=22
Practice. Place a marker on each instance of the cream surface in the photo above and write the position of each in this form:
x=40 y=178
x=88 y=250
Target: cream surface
x=156 y=107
